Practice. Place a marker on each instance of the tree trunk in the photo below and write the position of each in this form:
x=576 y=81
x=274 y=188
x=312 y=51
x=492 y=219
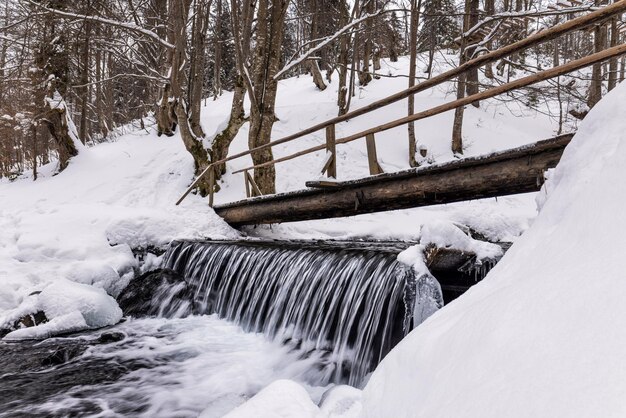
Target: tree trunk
x=84 y=81
x=318 y=78
x=490 y=10
x=416 y=6
x=471 y=19
x=613 y=61
x=599 y=42
x=267 y=54
x=221 y=143
x=344 y=55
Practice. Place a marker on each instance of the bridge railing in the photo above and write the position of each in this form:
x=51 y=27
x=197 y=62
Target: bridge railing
x=596 y=17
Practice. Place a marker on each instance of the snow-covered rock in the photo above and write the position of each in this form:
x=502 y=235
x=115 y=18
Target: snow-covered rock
x=445 y=234
x=543 y=335
x=69 y=306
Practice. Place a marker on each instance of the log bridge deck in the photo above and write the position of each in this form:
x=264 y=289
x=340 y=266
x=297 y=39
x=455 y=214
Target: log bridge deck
x=514 y=171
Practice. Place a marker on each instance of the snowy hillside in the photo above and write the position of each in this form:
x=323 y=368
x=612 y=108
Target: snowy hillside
x=83 y=224
x=495 y=126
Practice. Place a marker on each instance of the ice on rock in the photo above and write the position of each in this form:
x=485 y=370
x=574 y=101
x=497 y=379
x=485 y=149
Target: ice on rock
x=426 y=290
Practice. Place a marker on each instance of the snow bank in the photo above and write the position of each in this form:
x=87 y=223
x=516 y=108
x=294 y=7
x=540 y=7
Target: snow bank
x=280 y=399
x=543 y=334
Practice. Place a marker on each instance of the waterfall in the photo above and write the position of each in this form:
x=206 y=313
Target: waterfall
x=348 y=303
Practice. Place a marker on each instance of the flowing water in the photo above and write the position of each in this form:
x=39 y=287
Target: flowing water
x=318 y=315
x=349 y=304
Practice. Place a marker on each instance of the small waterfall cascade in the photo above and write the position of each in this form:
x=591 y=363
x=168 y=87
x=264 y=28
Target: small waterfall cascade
x=349 y=304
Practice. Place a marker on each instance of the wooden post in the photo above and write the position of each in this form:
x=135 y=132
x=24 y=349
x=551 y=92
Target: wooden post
x=331 y=170
x=254 y=188
x=371 y=155
x=247 y=183
x=211 y=185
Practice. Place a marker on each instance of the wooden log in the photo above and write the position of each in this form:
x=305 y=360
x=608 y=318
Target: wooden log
x=331 y=147
x=372 y=157
x=514 y=171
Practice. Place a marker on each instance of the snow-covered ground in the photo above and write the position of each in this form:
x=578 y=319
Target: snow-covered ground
x=66 y=240
x=80 y=226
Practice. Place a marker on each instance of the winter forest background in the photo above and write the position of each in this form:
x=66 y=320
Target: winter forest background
x=88 y=71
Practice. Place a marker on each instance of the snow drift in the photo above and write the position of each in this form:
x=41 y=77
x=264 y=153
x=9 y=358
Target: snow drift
x=543 y=335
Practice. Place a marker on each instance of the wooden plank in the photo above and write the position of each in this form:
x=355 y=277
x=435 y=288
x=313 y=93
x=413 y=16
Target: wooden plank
x=331 y=169
x=255 y=191
x=372 y=157
x=317 y=184
x=245 y=179
x=515 y=171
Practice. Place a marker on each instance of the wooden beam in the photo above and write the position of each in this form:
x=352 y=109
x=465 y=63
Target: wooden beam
x=331 y=147
x=372 y=157
x=317 y=184
x=509 y=172
x=211 y=185
x=254 y=189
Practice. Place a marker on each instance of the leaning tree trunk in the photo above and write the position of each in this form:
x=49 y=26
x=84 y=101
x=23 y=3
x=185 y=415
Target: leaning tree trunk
x=221 y=143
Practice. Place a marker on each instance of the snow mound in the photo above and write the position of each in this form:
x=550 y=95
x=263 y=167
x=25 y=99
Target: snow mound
x=341 y=402
x=542 y=335
x=69 y=306
x=445 y=234
x=280 y=399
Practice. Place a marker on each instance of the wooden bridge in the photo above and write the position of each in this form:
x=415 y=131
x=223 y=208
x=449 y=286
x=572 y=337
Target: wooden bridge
x=508 y=172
